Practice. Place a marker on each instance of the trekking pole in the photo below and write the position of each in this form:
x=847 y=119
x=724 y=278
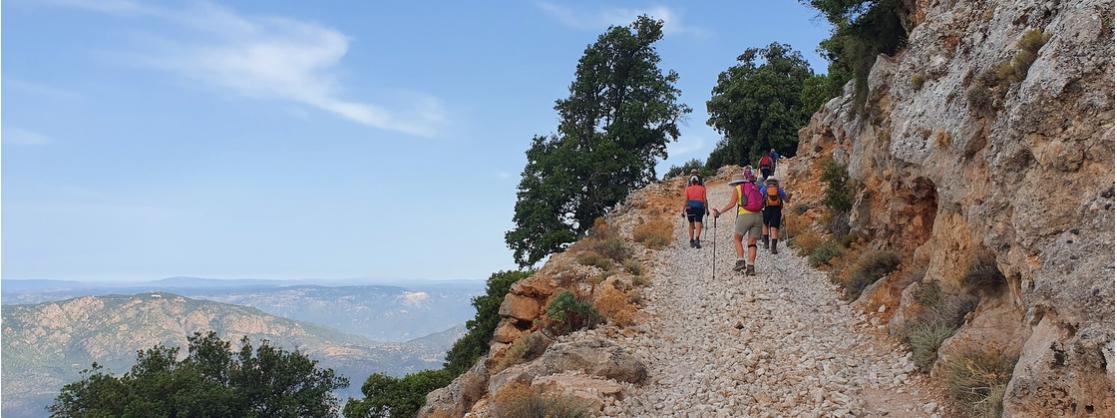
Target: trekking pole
x=714 y=266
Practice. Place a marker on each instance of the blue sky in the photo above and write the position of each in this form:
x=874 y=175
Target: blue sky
x=292 y=139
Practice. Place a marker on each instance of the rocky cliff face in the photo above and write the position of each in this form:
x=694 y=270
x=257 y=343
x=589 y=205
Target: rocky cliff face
x=993 y=176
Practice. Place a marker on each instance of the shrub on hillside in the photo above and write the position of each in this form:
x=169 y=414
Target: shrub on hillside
x=518 y=400
x=654 y=234
x=983 y=274
x=976 y=378
x=568 y=313
x=1016 y=69
x=634 y=268
x=824 y=253
x=526 y=347
x=592 y=258
x=807 y=241
x=870 y=267
x=925 y=341
x=614 y=305
x=839 y=194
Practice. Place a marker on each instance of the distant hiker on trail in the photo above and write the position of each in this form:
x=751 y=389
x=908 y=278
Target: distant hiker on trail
x=774 y=200
x=767 y=166
x=694 y=208
x=694 y=173
x=776 y=157
x=749 y=203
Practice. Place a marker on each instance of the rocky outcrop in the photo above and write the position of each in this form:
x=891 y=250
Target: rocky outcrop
x=995 y=187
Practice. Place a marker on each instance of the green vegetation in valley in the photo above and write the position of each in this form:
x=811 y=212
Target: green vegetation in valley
x=386 y=396
x=211 y=381
x=615 y=125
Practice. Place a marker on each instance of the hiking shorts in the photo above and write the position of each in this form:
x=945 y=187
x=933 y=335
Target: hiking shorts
x=695 y=210
x=765 y=172
x=773 y=216
x=748 y=223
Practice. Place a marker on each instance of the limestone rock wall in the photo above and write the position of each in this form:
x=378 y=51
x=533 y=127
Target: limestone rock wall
x=963 y=173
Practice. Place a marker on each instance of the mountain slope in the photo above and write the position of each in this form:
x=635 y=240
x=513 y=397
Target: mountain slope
x=46 y=345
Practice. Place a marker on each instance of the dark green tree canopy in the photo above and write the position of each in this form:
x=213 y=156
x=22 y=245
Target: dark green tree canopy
x=758 y=104
x=211 y=381
x=621 y=113
x=863 y=29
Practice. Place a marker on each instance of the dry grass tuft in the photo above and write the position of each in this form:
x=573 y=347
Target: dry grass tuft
x=870 y=267
x=614 y=304
x=517 y=400
x=807 y=241
x=976 y=377
x=655 y=234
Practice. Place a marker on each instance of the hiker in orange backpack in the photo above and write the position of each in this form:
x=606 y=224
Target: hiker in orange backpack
x=766 y=165
x=774 y=200
x=694 y=208
x=749 y=203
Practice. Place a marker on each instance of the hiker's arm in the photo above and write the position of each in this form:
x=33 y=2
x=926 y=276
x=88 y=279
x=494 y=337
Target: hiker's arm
x=729 y=205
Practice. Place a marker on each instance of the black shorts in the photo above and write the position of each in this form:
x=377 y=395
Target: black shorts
x=695 y=212
x=765 y=172
x=773 y=216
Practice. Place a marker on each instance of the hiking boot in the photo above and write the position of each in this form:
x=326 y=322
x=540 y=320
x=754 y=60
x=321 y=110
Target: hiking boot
x=691 y=243
x=698 y=244
x=764 y=239
x=774 y=246
x=741 y=264
x=750 y=270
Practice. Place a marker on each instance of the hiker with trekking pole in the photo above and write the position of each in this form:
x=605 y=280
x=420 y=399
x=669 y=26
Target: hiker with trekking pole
x=694 y=208
x=774 y=200
x=749 y=202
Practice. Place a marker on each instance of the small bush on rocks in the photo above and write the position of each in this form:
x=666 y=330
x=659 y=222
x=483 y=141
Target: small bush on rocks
x=614 y=304
x=612 y=247
x=807 y=242
x=839 y=194
x=655 y=234
x=925 y=341
x=520 y=401
x=634 y=268
x=976 y=378
x=526 y=347
x=824 y=253
x=983 y=274
x=870 y=267
x=567 y=314
x=592 y=258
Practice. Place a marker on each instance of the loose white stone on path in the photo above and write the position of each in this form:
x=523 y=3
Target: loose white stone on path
x=777 y=344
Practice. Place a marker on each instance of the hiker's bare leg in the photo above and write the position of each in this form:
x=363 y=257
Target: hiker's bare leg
x=690 y=230
x=697 y=230
x=740 y=247
x=752 y=249
x=775 y=233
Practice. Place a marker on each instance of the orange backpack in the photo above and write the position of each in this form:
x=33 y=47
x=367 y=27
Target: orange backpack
x=773 y=196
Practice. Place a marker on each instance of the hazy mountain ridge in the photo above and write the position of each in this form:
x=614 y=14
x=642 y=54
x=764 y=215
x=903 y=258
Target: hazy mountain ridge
x=377 y=311
x=48 y=344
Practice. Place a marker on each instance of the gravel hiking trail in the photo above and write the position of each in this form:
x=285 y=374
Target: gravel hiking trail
x=778 y=344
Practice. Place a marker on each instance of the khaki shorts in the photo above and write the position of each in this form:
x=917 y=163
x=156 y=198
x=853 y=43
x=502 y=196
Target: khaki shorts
x=748 y=224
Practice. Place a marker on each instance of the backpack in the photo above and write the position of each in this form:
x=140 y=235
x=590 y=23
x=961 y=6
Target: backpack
x=750 y=199
x=773 y=197
x=765 y=161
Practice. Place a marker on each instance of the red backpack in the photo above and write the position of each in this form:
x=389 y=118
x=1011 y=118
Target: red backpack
x=750 y=198
x=765 y=161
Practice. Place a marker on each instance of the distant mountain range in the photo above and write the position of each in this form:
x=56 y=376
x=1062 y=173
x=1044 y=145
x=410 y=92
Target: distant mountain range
x=46 y=345
x=376 y=311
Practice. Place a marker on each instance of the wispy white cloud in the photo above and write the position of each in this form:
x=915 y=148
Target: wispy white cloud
x=23 y=137
x=604 y=17
x=271 y=58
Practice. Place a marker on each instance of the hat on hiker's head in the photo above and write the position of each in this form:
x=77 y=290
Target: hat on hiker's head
x=739 y=180
x=748 y=174
x=772 y=179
